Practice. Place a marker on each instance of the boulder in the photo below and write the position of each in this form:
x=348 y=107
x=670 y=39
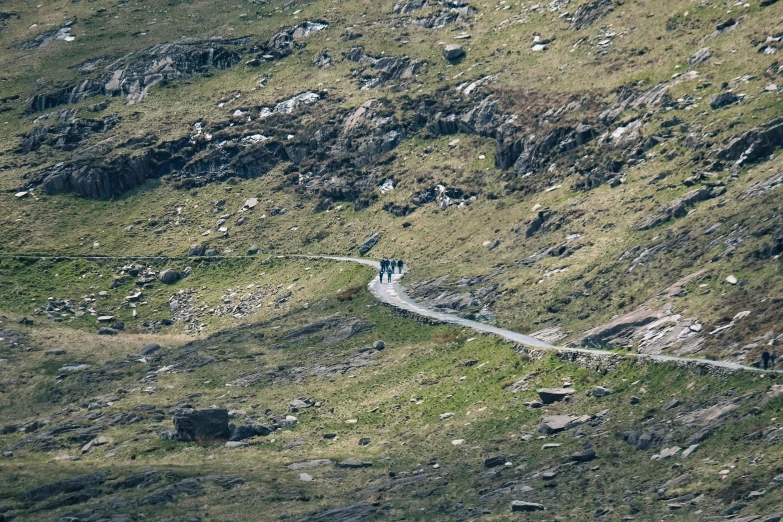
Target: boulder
x=493 y=462
x=56 y=351
x=196 y=250
x=253 y=250
x=521 y=506
x=723 y=99
x=552 y=395
x=192 y=424
x=557 y=423
x=168 y=276
x=369 y=243
x=378 y=345
x=453 y=52
x=107 y=331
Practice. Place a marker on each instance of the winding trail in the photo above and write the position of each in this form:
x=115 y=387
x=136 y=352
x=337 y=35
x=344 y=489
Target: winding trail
x=393 y=294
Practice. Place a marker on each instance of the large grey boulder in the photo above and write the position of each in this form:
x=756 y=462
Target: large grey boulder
x=196 y=250
x=168 y=276
x=453 y=52
x=552 y=395
x=192 y=424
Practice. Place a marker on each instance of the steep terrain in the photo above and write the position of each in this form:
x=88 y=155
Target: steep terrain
x=599 y=174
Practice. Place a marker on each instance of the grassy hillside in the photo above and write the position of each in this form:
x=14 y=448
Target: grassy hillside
x=602 y=174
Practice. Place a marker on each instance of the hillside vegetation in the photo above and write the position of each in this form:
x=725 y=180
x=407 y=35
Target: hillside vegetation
x=596 y=174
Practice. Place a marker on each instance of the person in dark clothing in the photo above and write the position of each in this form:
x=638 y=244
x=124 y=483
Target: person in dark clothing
x=399 y=265
x=380 y=274
x=389 y=273
x=765 y=359
x=393 y=265
x=384 y=264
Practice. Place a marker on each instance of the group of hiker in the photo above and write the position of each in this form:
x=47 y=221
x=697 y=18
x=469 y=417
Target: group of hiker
x=768 y=360
x=388 y=266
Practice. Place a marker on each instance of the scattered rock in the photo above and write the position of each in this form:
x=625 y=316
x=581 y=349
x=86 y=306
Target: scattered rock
x=56 y=351
x=196 y=250
x=444 y=416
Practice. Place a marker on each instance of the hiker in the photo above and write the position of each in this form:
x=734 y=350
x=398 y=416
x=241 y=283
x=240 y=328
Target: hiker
x=393 y=265
x=384 y=262
x=380 y=274
x=772 y=360
x=765 y=358
x=389 y=273
x=399 y=265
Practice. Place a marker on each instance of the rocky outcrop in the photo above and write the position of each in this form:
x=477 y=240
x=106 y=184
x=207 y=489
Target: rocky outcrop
x=384 y=68
x=133 y=75
x=322 y=60
x=408 y=6
x=587 y=14
x=754 y=145
x=285 y=41
x=679 y=207
x=65 y=131
x=42 y=40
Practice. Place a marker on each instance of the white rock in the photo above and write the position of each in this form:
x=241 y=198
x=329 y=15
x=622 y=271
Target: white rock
x=458 y=442
x=305 y=477
x=444 y=416
x=731 y=280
